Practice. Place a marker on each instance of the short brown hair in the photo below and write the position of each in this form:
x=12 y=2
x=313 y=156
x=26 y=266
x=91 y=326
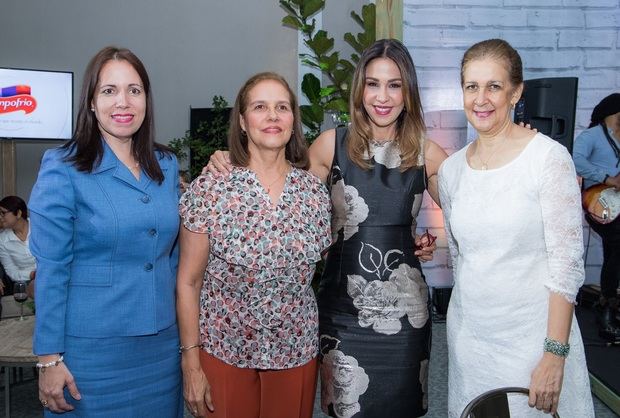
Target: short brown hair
x=410 y=129
x=499 y=50
x=296 y=150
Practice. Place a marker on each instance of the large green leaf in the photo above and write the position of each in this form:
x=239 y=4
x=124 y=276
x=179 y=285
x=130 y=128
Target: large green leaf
x=310 y=7
x=369 y=13
x=311 y=115
x=321 y=43
x=311 y=87
x=329 y=63
x=326 y=91
x=291 y=21
x=338 y=105
x=287 y=6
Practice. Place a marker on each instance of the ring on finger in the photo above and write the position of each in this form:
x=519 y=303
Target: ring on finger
x=44 y=403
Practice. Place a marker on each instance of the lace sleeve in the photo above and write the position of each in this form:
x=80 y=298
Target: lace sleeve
x=446 y=207
x=561 y=212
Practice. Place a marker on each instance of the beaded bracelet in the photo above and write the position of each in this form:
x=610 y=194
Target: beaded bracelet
x=183 y=348
x=556 y=347
x=43 y=366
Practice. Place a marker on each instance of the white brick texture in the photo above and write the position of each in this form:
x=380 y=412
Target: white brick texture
x=556 y=38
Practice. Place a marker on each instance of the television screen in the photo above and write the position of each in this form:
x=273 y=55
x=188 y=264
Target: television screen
x=35 y=104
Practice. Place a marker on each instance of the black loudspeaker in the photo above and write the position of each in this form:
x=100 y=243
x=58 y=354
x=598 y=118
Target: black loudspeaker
x=548 y=104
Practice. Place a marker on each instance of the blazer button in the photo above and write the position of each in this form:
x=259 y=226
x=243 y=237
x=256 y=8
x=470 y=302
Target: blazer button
x=152 y=232
x=146 y=198
x=148 y=267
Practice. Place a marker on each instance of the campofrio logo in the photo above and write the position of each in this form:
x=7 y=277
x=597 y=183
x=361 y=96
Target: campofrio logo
x=15 y=98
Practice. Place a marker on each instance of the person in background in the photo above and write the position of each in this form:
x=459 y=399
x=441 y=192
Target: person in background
x=512 y=215
x=15 y=256
x=104 y=220
x=596 y=153
x=249 y=247
x=375 y=327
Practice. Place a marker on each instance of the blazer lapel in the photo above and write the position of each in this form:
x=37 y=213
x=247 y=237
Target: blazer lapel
x=110 y=163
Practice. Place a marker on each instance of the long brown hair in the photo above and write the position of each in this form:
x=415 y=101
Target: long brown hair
x=296 y=150
x=410 y=128
x=86 y=146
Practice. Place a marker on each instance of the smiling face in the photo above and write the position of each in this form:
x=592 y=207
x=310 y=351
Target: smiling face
x=488 y=95
x=268 y=116
x=119 y=101
x=383 y=95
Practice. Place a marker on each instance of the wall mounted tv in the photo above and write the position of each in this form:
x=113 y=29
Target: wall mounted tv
x=36 y=104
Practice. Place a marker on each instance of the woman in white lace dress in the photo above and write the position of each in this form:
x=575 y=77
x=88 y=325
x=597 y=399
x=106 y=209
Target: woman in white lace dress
x=513 y=220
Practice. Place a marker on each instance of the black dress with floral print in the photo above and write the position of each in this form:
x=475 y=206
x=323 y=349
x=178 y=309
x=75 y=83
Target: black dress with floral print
x=374 y=325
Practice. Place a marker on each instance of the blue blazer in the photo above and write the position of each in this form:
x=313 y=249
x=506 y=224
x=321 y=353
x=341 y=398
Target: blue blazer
x=105 y=245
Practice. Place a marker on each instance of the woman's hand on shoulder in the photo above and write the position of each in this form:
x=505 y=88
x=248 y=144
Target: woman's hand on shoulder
x=434 y=155
x=322 y=154
x=527 y=126
x=197 y=392
x=52 y=381
x=546 y=383
x=219 y=164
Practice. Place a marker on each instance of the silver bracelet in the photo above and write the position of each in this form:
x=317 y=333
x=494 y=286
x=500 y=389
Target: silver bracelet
x=556 y=347
x=43 y=366
x=183 y=348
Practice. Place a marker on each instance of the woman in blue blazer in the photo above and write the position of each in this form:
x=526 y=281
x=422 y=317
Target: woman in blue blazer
x=104 y=227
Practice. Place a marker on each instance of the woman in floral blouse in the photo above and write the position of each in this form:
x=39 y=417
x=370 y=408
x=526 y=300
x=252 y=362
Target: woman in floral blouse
x=249 y=245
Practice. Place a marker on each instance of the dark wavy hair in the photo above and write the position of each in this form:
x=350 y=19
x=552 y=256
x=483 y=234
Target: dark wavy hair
x=86 y=147
x=15 y=204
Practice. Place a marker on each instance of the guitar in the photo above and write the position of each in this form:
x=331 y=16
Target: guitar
x=602 y=202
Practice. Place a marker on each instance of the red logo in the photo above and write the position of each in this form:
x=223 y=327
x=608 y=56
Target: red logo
x=24 y=102
x=15 y=98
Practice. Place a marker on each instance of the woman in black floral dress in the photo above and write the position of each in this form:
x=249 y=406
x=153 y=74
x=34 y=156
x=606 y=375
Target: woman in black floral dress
x=374 y=322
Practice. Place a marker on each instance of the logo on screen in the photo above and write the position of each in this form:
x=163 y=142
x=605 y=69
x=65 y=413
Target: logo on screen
x=15 y=98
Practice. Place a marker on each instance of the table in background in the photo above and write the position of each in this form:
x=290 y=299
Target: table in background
x=15 y=350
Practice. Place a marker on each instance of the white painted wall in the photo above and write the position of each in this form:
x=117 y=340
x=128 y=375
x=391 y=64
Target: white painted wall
x=192 y=50
x=555 y=38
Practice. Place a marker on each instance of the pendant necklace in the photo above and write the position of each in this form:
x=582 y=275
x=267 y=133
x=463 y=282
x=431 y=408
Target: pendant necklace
x=485 y=164
x=268 y=186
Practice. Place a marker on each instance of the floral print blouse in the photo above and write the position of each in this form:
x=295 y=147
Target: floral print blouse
x=257 y=309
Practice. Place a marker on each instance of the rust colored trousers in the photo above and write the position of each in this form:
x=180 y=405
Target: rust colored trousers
x=257 y=393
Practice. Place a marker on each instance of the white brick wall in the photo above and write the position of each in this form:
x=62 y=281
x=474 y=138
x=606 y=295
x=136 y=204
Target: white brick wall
x=556 y=38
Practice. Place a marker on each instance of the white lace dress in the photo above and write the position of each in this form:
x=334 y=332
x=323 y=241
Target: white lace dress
x=515 y=235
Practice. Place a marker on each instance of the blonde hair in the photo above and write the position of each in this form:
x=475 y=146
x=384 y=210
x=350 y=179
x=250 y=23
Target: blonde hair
x=410 y=128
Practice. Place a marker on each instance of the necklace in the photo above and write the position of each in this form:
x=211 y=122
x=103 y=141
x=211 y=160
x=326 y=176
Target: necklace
x=485 y=163
x=381 y=143
x=268 y=186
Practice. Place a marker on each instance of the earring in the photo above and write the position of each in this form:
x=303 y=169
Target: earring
x=243 y=132
x=92 y=109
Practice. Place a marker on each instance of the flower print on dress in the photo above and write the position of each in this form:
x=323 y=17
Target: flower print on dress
x=381 y=303
x=348 y=209
x=385 y=153
x=343 y=380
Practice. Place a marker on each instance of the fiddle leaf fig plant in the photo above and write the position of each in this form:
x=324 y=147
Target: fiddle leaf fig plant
x=209 y=136
x=333 y=96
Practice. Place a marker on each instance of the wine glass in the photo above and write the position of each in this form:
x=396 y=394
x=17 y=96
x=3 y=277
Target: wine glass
x=20 y=295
